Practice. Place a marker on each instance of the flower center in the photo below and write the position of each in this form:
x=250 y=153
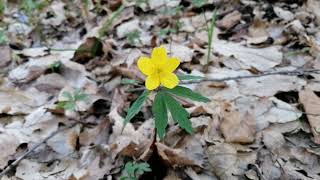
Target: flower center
x=158 y=71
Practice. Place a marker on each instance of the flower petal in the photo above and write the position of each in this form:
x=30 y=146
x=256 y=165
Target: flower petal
x=169 y=80
x=171 y=65
x=159 y=56
x=152 y=81
x=145 y=65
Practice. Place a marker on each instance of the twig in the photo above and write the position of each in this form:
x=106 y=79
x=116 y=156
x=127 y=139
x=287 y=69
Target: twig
x=285 y=73
x=17 y=161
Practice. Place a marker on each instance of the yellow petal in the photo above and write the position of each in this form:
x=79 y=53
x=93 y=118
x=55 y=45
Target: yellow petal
x=152 y=81
x=169 y=80
x=145 y=65
x=159 y=56
x=171 y=65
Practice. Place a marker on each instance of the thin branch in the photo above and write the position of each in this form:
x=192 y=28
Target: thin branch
x=17 y=161
x=284 y=73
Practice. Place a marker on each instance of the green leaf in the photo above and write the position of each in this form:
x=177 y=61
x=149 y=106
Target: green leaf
x=187 y=93
x=67 y=105
x=178 y=113
x=136 y=107
x=145 y=167
x=160 y=114
x=126 y=81
x=198 y=3
x=130 y=168
x=68 y=95
x=70 y=105
x=189 y=77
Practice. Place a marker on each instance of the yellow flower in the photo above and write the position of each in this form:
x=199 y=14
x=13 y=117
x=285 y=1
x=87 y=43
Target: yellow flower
x=159 y=69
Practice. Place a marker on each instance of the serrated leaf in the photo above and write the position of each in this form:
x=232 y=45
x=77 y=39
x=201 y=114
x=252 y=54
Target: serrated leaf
x=68 y=95
x=189 y=77
x=130 y=168
x=178 y=113
x=70 y=105
x=136 y=107
x=81 y=97
x=61 y=104
x=187 y=93
x=145 y=167
x=160 y=114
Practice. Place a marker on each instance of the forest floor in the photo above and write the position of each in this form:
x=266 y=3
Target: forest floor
x=68 y=75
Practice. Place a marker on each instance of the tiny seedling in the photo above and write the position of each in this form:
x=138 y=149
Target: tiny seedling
x=134 y=170
x=210 y=30
x=70 y=103
x=3 y=37
x=31 y=6
x=2 y=7
x=133 y=37
x=56 y=67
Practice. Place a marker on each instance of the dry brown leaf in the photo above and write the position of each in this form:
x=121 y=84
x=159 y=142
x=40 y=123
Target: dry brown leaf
x=59 y=14
x=262 y=59
x=183 y=52
x=268 y=110
x=20 y=102
x=238 y=127
x=266 y=86
x=227 y=163
x=8 y=146
x=311 y=103
x=91 y=48
x=229 y=20
x=188 y=151
x=5 y=56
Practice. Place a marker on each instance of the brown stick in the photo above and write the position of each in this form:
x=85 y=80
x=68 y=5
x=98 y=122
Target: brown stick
x=284 y=73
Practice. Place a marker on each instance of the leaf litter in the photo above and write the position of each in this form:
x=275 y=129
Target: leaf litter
x=264 y=127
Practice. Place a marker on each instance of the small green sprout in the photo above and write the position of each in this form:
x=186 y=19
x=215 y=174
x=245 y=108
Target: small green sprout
x=134 y=170
x=56 y=67
x=30 y=6
x=210 y=30
x=133 y=37
x=3 y=37
x=70 y=104
x=2 y=7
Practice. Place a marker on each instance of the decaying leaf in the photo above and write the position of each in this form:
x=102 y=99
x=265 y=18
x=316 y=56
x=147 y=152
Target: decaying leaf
x=226 y=162
x=238 y=128
x=262 y=59
x=311 y=103
x=187 y=152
